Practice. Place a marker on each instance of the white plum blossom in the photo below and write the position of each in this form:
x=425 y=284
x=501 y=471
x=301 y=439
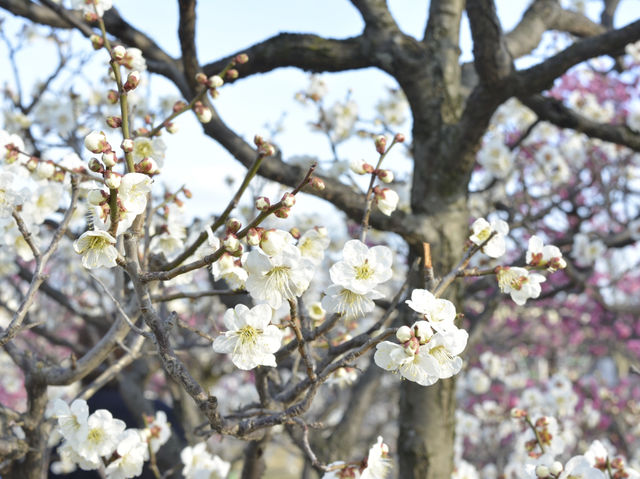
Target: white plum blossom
x=157 y=430
x=341 y=118
x=102 y=436
x=496 y=157
x=131 y=452
x=440 y=313
x=519 y=283
x=387 y=201
x=200 y=464
x=378 y=462
x=9 y=197
x=144 y=147
x=72 y=419
x=313 y=243
x=350 y=304
x=92 y=6
x=362 y=268
x=393 y=109
x=482 y=230
x=273 y=241
x=578 y=467
x=548 y=256
x=97 y=249
x=133 y=191
x=250 y=339
x=277 y=278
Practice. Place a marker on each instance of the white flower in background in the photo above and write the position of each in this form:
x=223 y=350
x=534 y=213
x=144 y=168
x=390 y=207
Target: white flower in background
x=341 y=118
x=341 y=300
x=378 y=462
x=230 y=269
x=579 y=468
x=482 y=230
x=131 y=451
x=496 y=157
x=92 y=6
x=43 y=202
x=519 y=283
x=386 y=200
x=633 y=115
x=464 y=470
x=633 y=50
x=393 y=109
x=157 y=430
x=6 y=139
x=144 y=147
x=277 y=278
x=553 y=166
x=172 y=234
x=477 y=381
x=362 y=268
x=102 y=436
x=317 y=88
x=250 y=339
x=313 y=243
x=548 y=256
x=200 y=464
x=97 y=249
x=9 y=197
x=585 y=251
x=440 y=313
x=133 y=191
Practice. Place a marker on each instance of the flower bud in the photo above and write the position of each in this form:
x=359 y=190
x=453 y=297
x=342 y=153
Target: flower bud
x=114 y=121
x=179 y=106
x=263 y=203
x=518 y=413
x=403 y=334
x=97 y=42
x=148 y=166
x=133 y=79
x=203 y=113
x=187 y=193
x=215 y=81
x=32 y=164
x=127 y=145
x=317 y=183
x=422 y=331
x=96 y=142
x=59 y=175
x=556 y=468
x=288 y=200
x=112 y=179
x=231 y=243
x=214 y=93
x=267 y=149
x=90 y=17
x=171 y=127
x=282 y=212
x=45 y=169
x=118 y=53
x=412 y=345
x=112 y=97
x=381 y=144
x=386 y=200
x=233 y=225
x=96 y=165
x=109 y=159
x=542 y=471
x=295 y=232
x=258 y=140
x=386 y=176
x=253 y=237
x=241 y=58
x=358 y=166
x=231 y=74
x=399 y=138
x=97 y=197
x=201 y=78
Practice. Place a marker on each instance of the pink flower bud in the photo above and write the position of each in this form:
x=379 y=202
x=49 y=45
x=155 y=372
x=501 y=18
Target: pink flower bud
x=381 y=144
x=386 y=200
x=97 y=197
x=241 y=58
x=288 y=200
x=282 y=212
x=357 y=166
x=171 y=127
x=112 y=97
x=96 y=142
x=233 y=225
x=187 y=193
x=317 y=183
x=386 y=176
x=59 y=175
x=215 y=81
x=148 y=166
x=253 y=237
x=179 y=106
x=267 y=149
x=201 y=78
x=203 y=113
x=90 y=17
x=399 y=138
x=127 y=145
x=112 y=179
x=231 y=74
x=109 y=159
x=97 y=42
x=214 y=93
x=258 y=140
x=295 y=232
x=118 y=53
x=96 y=165
x=517 y=413
x=114 y=121
x=133 y=79
x=263 y=203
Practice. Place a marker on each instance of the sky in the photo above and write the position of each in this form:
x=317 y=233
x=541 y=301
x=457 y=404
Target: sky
x=253 y=106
